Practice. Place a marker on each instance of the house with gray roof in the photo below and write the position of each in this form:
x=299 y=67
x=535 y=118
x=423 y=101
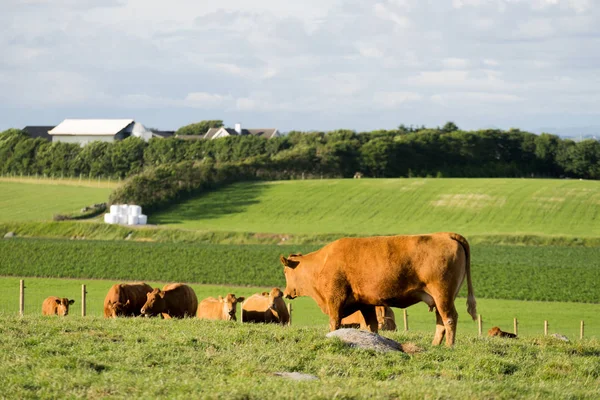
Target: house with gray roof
x=215 y=133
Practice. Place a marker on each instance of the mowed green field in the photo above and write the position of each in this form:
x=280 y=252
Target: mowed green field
x=30 y=200
x=563 y=317
x=397 y=206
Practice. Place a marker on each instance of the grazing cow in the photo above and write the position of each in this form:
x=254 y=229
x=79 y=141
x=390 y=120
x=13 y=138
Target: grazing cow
x=175 y=300
x=386 y=320
x=56 y=306
x=496 y=331
x=125 y=299
x=266 y=307
x=352 y=274
x=221 y=308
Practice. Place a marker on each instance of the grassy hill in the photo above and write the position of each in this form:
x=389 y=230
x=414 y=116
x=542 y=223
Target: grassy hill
x=391 y=206
x=34 y=200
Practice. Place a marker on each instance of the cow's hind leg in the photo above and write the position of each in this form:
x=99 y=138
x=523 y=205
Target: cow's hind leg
x=440 y=329
x=449 y=316
x=370 y=317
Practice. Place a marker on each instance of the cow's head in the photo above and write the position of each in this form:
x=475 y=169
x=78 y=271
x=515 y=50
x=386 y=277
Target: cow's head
x=229 y=304
x=155 y=303
x=117 y=308
x=62 y=306
x=292 y=277
x=274 y=295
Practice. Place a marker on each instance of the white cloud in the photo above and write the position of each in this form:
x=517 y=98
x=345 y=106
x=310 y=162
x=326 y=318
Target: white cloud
x=395 y=99
x=459 y=99
x=207 y=100
x=383 y=12
x=455 y=63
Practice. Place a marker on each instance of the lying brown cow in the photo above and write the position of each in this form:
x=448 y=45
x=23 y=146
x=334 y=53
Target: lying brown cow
x=386 y=320
x=352 y=274
x=175 y=300
x=496 y=331
x=221 y=308
x=56 y=306
x=266 y=307
x=125 y=299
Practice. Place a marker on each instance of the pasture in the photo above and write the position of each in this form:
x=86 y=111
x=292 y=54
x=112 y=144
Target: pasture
x=563 y=317
x=31 y=200
x=152 y=358
x=542 y=207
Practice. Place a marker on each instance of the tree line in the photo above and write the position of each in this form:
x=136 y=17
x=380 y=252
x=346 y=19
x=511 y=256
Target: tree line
x=404 y=152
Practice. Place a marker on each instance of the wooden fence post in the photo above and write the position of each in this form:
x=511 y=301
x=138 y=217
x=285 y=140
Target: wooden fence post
x=545 y=327
x=405 y=320
x=581 y=330
x=289 y=307
x=83 y=293
x=479 y=323
x=516 y=327
x=21 y=297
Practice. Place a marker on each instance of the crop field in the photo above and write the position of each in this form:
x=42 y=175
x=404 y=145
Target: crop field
x=563 y=317
x=503 y=272
x=152 y=358
x=34 y=201
x=397 y=206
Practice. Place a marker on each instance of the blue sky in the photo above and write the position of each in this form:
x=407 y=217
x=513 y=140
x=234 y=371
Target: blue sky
x=314 y=64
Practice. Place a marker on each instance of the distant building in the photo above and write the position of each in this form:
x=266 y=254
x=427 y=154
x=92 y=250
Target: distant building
x=35 y=132
x=84 y=131
x=215 y=133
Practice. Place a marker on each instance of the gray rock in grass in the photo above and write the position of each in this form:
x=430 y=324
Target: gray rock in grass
x=296 y=376
x=365 y=340
x=9 y=235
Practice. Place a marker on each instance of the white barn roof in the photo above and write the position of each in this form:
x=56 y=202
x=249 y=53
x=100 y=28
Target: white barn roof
x=90 y=126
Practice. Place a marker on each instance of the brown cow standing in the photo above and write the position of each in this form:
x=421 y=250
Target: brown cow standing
x=125 y=299
x=353 y=274
x=386 y=320
x=175 y=300
x=56 y=306
x=221 y=308
x=266 y=307
x=496 y=331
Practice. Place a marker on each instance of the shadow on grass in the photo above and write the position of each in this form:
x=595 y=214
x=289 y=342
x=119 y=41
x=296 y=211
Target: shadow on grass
x=228 y=200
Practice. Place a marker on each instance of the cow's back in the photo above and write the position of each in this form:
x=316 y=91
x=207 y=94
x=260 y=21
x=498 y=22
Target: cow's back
x=255 y=309
x=49 y=306
x=210 y=308
x=181 y=300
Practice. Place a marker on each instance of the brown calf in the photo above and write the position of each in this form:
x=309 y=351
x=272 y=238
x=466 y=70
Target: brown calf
x=56 y=306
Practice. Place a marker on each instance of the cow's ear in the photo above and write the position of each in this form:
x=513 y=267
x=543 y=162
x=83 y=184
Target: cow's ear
x=264 y=294
x=240 y=299
x=221 y=299
x=57 y=301
x=289 y=263
x=71 y=301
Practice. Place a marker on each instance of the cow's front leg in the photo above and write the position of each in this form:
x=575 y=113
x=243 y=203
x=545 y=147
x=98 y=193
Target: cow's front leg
x=335 y=318
x=370 y=317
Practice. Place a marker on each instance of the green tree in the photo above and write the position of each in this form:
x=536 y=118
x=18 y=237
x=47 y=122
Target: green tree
x=199 y=128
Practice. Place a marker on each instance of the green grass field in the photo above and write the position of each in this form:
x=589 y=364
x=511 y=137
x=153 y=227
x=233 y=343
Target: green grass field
x=30 y=200
x=74 y=357
x=396 y=206
x=563 y=317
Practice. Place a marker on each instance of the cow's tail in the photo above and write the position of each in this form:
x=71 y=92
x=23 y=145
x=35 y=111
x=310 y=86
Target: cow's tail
x=471 y=303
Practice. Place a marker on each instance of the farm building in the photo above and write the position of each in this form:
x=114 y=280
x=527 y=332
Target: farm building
x=215 y=133
x=84 y=131
x=35 y=132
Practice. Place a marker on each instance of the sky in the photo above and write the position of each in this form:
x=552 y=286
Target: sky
x=303 y=65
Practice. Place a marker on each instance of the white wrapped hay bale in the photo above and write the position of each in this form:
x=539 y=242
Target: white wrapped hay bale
x=108 y=218
x=132 y=220
x=135 y=210
x=122 y=219
x=123 y=209
x=142 y=219
x=114 y=209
